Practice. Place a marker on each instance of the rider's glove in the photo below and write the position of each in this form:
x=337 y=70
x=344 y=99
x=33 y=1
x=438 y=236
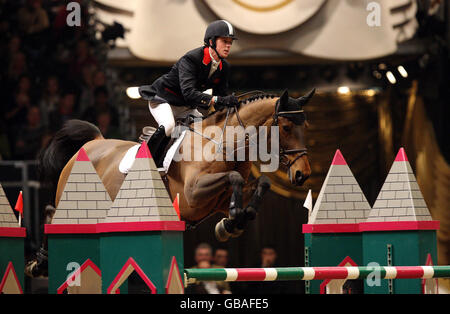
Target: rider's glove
x=227 y=101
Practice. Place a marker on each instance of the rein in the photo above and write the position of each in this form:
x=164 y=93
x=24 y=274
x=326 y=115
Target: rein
x=283 y=153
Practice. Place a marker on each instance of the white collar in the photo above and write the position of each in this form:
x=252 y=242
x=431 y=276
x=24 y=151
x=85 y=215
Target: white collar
x=215 y=63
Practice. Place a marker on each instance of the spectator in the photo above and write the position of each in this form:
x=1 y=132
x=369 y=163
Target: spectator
x=4 y=27
x=220 y=258
x=87 y=87
x=24 y=85
x=49 y=98
x=203 y=258
x=30 y=136
x=7 y=54
x=5 y=149
x=104 y=124
x=58 y=15
x=36 y=38
x=100 y=105
x=82 y=57
x=61 y=32
x=17 y=66
x=65 y=111
x=14 y=46
x=99 y=79
x=17 y=110
x=268 y=258
x=203 y=253
x=32 y=18
x=8 y=47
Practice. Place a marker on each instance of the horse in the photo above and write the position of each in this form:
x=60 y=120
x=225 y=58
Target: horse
x=204 y=187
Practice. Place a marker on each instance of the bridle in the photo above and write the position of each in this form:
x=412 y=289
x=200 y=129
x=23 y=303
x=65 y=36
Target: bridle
x=283 y=153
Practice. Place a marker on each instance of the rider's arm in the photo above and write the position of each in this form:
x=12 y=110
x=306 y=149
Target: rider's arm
x=187 y=72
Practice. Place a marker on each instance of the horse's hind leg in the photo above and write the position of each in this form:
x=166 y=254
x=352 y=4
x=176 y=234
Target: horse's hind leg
x=38 y=265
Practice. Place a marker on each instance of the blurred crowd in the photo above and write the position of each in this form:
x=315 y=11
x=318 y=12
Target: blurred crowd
x=207 y=257
x=50 y=72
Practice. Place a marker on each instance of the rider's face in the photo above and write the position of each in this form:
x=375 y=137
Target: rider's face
x=223 y=46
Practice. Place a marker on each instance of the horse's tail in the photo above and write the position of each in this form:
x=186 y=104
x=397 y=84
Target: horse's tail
x=64 y=144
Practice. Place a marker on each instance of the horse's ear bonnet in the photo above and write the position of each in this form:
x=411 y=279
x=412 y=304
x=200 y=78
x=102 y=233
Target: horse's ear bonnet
x=286 y=104
x=305 y=99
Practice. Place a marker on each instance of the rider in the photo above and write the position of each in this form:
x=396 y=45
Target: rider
x=179 y=93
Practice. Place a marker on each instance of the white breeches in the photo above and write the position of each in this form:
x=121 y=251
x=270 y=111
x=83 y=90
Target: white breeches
x=166 y=115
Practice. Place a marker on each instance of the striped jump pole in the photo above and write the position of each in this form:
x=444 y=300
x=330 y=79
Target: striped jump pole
x=314 y=273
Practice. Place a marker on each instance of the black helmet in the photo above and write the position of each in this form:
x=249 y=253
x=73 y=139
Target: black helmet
x=219 y=28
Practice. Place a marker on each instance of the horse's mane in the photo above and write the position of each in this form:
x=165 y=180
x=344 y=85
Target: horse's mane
x=220 y=115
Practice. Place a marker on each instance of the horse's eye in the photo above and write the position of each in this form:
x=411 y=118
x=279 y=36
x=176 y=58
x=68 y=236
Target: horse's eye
x=286 y=128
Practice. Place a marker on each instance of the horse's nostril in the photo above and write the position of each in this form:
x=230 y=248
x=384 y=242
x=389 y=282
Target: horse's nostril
x=300 y=178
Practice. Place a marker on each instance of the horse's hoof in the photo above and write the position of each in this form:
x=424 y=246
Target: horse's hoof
x=264 y=182
x=38 y=266
x=222 y=234
x=49 y=213
x=34 y=270
x=250 y=213
x=237 y=232
x=29 y=268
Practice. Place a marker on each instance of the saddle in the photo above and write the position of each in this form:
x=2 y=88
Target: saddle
x=169 y=151
x=147 y=131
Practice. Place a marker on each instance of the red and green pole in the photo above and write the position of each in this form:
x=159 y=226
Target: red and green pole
x=314 y=273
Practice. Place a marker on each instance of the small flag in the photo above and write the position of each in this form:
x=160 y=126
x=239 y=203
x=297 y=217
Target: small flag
x=19 y=207
x=19 y=204
x=308 y=203
x=176 y=205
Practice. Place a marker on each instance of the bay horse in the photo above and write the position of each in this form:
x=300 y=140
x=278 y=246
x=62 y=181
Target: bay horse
x=204 y=187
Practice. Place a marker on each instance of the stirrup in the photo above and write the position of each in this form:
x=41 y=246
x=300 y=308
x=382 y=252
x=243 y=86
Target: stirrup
x=147 y=132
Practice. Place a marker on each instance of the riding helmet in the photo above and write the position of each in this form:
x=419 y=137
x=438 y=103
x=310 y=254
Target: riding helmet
x=219 y=28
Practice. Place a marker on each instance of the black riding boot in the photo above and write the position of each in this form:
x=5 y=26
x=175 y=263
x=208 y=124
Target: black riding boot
x=157 y=145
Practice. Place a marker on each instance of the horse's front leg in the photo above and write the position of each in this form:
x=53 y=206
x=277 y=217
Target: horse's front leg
x=263 y=184
x=252 y=194
x=238 y=219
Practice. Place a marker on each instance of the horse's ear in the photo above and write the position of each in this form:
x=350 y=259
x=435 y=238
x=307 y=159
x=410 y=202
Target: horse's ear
x=284 y=99
x=305 y=99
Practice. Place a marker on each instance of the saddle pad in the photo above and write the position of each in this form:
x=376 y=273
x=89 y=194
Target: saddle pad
x=128 y=160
